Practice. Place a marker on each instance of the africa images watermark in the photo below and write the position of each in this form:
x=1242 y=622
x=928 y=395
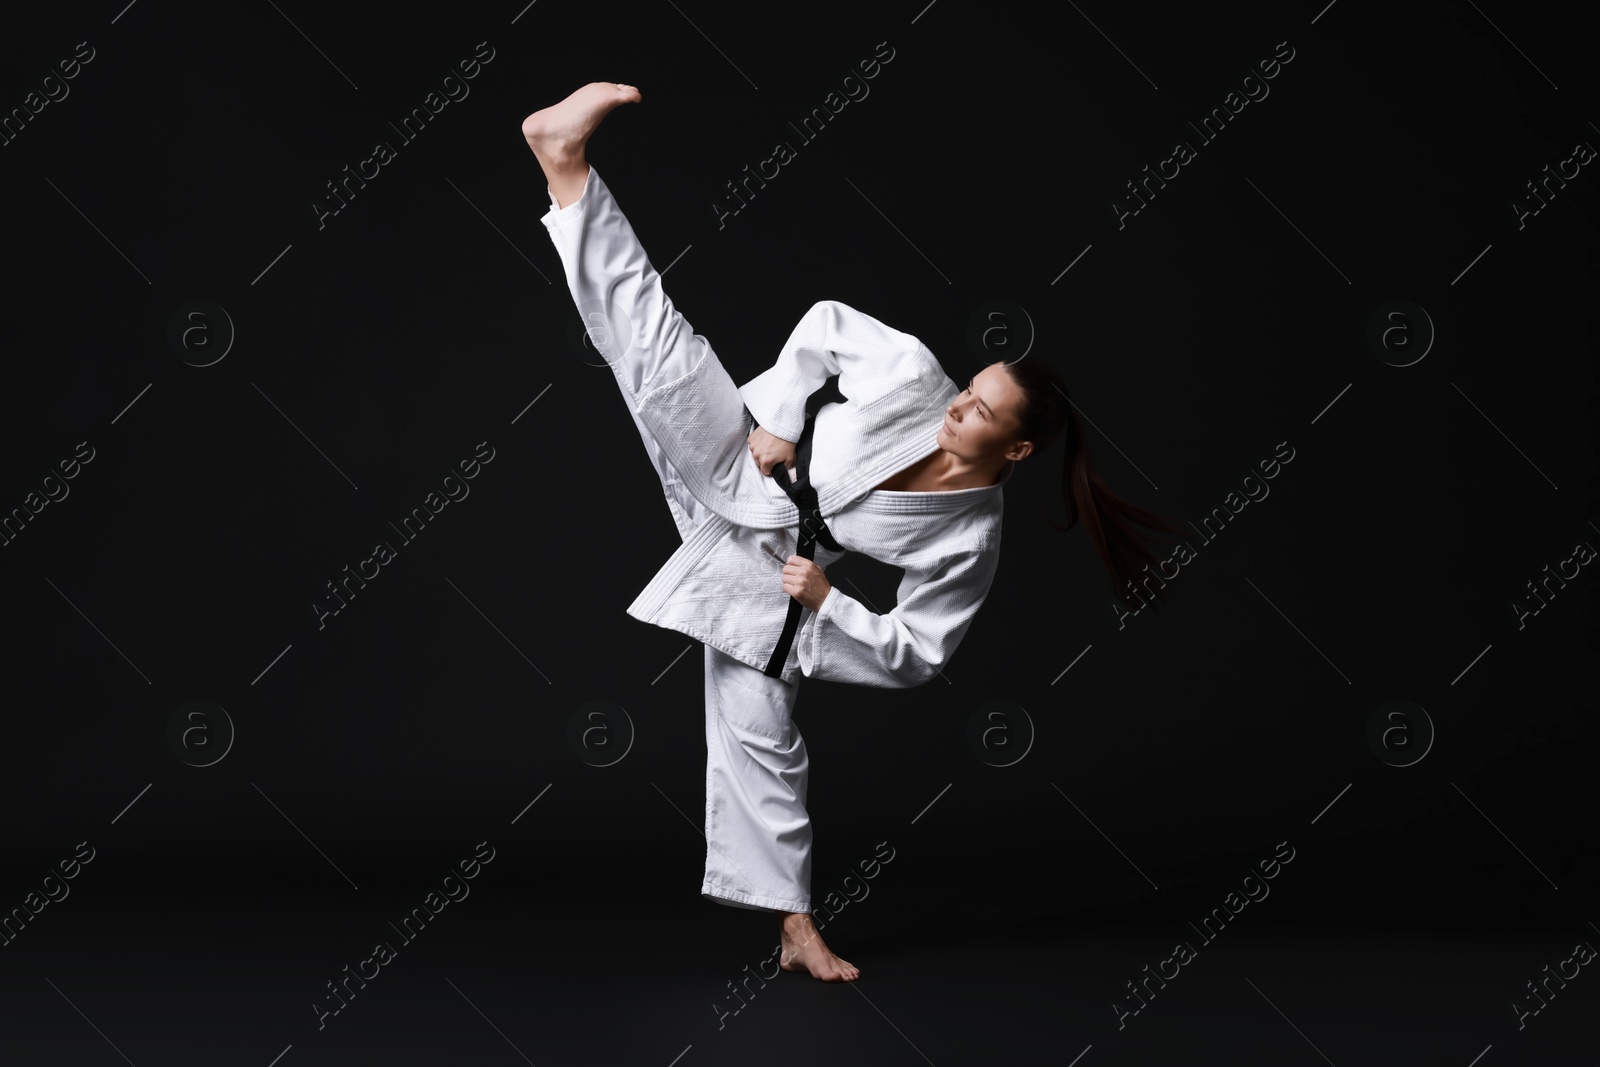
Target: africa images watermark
x=855 y=89
x=383 y=952
x=55 y=491
x=1582 y=953
x=833 y=904
x=38 y=899
x=383 y=153
x=1582 y=154
x=17 y=119
x=410 y=527
x=1184 y=953
x=1582 y=554
x=1184 y=153
x=1232 y=505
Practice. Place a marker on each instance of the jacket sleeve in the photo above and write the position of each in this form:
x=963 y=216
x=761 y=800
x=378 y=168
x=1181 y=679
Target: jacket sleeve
x=937 y=600
x=832 y=338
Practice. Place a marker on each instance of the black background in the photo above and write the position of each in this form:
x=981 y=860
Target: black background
x=374 y=352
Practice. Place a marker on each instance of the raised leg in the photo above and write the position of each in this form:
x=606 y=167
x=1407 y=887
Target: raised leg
x=686 y=405
x=558 y=134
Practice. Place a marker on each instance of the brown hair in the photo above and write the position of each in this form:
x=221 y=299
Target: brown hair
x=1047 y=413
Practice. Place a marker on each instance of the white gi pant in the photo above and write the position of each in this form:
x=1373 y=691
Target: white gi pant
x=758 y=835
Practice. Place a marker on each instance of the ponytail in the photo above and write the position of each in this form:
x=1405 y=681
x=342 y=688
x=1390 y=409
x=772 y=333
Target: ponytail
x=1108 y=518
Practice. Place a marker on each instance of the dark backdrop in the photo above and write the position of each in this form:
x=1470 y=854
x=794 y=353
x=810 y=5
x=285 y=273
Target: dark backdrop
x=969 y=195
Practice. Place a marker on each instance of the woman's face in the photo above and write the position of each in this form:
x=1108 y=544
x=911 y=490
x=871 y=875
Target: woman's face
x=982 y=422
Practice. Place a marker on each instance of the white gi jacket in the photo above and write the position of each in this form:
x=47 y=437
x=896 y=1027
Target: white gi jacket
x=723 y=586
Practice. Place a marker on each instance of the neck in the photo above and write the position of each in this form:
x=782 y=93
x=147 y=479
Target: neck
x=958 y=473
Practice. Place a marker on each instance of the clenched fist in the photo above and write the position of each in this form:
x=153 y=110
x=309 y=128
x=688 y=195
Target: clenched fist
x=769 y=451
x=805 y=581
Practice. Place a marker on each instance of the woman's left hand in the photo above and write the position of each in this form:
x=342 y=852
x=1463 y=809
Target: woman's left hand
x=804 y=580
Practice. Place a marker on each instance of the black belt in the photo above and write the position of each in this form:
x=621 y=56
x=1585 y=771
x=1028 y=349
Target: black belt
x=812 y=528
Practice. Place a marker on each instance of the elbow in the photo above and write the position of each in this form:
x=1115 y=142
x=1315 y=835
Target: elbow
x=922 y=671
x=829 y=311
x=919 y=660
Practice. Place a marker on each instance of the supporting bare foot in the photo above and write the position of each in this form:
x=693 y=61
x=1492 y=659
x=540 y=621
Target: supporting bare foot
x=804 y=950
x=558 y=133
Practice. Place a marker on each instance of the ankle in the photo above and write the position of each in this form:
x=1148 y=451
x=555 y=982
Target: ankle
x=566 y=163
x=567 y=186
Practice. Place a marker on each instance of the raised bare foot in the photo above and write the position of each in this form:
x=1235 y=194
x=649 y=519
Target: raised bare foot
x=804 y=950
x=558 y=133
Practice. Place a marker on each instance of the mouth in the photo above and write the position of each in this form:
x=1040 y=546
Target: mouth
x=948 y=428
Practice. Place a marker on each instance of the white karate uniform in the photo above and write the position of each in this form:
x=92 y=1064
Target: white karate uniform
x=723 y=585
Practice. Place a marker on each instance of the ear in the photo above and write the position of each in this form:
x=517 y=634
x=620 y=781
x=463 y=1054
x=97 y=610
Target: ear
x=1020 y=450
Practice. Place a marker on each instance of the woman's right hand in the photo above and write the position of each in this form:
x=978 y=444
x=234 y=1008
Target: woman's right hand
x=768 y=451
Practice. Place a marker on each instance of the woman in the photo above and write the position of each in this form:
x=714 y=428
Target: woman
x=906 y=468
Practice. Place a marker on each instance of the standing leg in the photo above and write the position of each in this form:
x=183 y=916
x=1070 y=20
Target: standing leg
x=758 y=834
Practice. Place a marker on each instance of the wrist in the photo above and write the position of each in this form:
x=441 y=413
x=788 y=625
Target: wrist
x=823 y=599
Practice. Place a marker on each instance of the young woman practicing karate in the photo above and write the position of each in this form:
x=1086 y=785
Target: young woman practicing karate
x=906 y=467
